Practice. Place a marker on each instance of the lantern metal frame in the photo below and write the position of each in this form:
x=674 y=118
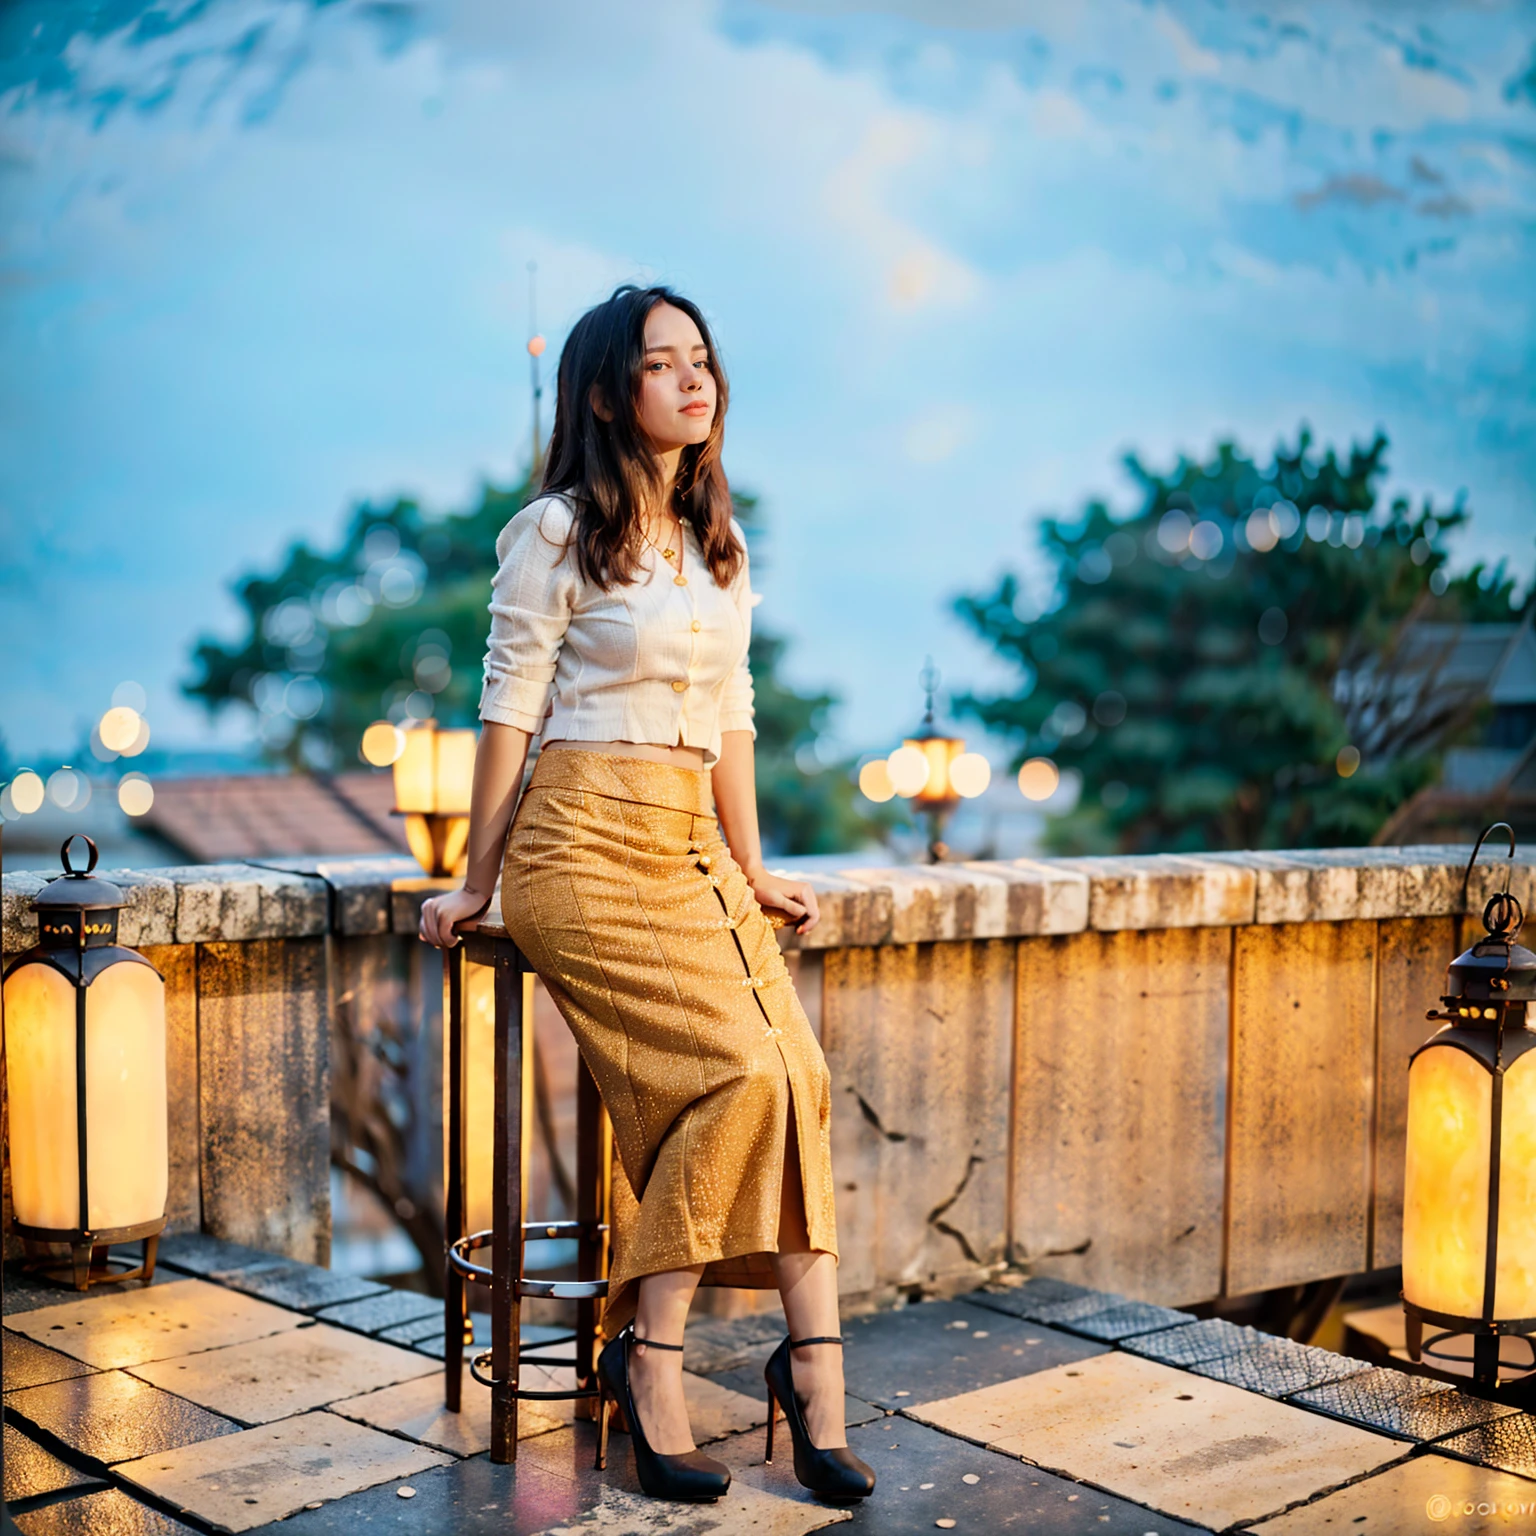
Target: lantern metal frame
x=77 y=937
x=1486 y=1007
x=500 y=1367
x=936 y=807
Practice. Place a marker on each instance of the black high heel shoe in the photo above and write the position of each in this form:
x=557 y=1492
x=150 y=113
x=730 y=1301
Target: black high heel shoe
x=835 y=1473
x=692 y=1475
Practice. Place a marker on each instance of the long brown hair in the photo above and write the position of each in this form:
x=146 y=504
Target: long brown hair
x=607 y=470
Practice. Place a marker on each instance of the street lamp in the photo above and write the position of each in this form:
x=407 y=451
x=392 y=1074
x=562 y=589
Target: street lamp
x=434 y=773
x=1469 y=1208
x=935 y=771
x=85 y=1064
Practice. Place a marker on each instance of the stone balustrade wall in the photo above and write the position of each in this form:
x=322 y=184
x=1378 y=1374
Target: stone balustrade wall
x=1176 y=1076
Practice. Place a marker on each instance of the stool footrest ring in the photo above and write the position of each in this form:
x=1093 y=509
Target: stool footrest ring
x=484 y=1359
x=557 y=1290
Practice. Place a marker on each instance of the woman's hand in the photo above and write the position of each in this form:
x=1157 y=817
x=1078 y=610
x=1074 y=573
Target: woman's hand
x=440 y=915
x=793 y=897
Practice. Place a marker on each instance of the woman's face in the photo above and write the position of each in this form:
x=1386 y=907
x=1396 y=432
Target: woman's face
x=677 y=385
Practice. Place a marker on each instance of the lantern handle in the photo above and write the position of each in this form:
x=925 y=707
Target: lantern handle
x=1503 y=916
x=69 y=869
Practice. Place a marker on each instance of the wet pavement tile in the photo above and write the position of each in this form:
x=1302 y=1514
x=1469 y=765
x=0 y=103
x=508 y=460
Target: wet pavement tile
x=1208 y=1339
x=616 y=1505
x=415 y=1409
x=1508 y=1444
x=25 y=1293
x=32 y=1470
x=259 y=1475
x=1123 y=1321
x=1198 y=1450
x=477 y=1498
x=285 y=1373
x=390 y=1309
x=1426 y=1493
x=1277 y=1367
x=923 y=1476
x=416 y=1330
x=1035 y=1295
x=110 y=1513
x=110 y=1416
x=156 y=1323
x=199 y=1253
x=716 y=1344
x=942 y=1348
x=30 y=1364
x=304 y=1287
x=1415 y=1407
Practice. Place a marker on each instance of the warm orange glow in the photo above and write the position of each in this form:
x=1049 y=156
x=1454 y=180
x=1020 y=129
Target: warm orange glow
x=1039 y=779
x=27 y=792
x=455 y=772
x=908 y=769
x=383 y=742
x=119 y=728
x=1445 y=1208
x=415 y=771
x=940 y=752
x=1347 y=762
x=135 y=795
x=125 y=1096
x=536 y=345
x=875 y=781
x=970 y=773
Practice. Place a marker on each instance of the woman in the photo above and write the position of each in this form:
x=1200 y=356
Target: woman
x=623 y=590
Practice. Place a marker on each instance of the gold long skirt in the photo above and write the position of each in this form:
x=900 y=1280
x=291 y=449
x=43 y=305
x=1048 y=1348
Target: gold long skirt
x=621 y=892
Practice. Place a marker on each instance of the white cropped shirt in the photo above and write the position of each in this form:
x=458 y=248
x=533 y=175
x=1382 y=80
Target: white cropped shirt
x=662 y=659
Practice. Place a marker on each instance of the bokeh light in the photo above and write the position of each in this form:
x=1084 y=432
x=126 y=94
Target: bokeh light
x=1262 y=533
x=140 y=740
x=1273 y=626
x=908 y=768
x=875 y=781
x=969 y=774
x=119 y=728
x=130 y=696
x=1173 y=531
x=27 y=792
x=135 y=794
x=536 y=345
x=1347 y=762
x=383 y=742
x=68 y=790
x=1205 y=540
x=1039 y=778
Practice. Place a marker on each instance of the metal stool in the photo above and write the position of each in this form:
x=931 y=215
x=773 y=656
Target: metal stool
x=514 y=1047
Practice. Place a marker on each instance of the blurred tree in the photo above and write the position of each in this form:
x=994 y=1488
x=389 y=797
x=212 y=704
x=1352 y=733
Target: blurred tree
x=1232 y=666
x=392 y=624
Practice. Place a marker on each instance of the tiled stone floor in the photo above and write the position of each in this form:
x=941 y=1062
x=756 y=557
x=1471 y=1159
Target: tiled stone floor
x=242 y=1392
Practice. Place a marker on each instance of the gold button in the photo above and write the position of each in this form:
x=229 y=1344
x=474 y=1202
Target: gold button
x=679 y=581
x=703 y=861
x=678 y=686
x=697 y=626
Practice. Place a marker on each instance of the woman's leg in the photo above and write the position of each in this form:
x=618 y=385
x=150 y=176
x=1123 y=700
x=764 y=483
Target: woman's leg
x=807 y=1281
x=656 y=1375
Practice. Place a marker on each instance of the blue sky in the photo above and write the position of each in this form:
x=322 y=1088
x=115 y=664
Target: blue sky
x=960 y=257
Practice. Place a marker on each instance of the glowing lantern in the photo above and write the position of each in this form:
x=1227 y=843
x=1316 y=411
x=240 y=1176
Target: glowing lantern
x=932 y=770
x=1469 y=1209
x=85 y=1058
x=434 y=774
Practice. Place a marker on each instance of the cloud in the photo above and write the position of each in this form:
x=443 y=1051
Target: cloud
x=1361 y=189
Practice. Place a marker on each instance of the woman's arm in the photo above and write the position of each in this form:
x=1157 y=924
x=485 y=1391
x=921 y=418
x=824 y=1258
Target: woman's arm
x=499 y=759
x=734 y=778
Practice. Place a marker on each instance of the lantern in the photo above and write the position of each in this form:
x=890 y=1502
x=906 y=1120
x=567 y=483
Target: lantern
x=1469 y=1208
x=434 y=775
x=85 y=1059
x=932 y=770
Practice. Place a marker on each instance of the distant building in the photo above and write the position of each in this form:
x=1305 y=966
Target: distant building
x=1484 y=675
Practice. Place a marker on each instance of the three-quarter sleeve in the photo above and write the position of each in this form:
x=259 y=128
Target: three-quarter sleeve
x=736 y=706
x=532 y=598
